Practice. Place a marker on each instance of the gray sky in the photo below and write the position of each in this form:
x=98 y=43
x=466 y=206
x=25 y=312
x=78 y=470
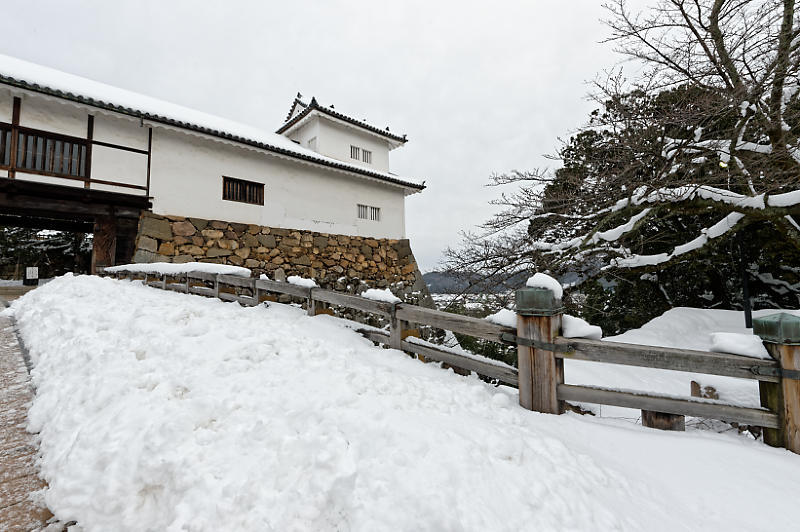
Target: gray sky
x=479 y=87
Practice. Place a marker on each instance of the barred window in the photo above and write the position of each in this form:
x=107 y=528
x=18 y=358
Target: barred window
x=367 y=212
x=366 y=156
x=244 y=191
x=355 y=153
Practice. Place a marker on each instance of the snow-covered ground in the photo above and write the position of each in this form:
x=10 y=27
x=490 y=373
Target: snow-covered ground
x=166 y=411
x=683 y=328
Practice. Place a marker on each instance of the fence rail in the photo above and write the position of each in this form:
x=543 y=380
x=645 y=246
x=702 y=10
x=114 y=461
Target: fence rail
x=541 y=352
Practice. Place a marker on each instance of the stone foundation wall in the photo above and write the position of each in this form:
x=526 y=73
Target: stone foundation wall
x=339 y=262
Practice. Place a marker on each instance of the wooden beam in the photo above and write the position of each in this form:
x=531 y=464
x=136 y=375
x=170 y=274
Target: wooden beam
x=453 y=322
x=540 y=372
x=695 y=407
x=118 y=147
x=663 y=421
x=353 y=302
x=503 y=374
x=784 y=399
x=34 y=222
x=104 y=242
x=149 y=156
x=282 y=288
x=14 y=136
x=89 y=136
x=724 y=364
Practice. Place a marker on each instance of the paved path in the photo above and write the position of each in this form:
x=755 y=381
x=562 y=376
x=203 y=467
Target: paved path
x=18 y=477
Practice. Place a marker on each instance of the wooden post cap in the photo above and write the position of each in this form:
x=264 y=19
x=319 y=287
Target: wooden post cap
x=537 y=301
x=781 y=328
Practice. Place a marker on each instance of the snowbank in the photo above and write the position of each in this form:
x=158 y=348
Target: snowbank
x=682 y=328
x=543 y=280
x=166 y=411
x=573 y=327
x=169 y=268
x=381 y=295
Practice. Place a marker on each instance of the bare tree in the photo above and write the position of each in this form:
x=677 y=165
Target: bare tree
x=702 y=145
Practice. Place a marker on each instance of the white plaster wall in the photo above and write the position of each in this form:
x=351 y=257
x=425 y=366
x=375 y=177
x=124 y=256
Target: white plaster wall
x=110 y=164
x=186 y=180
x=6 y=105
x=124 y=131
x=49 y=115
x=308 y=131
x=335 y=140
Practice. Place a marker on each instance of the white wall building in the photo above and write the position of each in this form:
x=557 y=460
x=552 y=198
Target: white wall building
x=322 y=171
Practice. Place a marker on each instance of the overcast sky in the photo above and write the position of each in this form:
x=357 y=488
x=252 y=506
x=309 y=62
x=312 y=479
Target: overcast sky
x=479 y=87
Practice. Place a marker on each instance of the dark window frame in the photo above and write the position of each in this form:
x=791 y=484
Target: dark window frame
x=242 y=190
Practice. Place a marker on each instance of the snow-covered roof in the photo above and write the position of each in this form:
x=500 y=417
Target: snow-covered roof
x=300 y=110
x=30 y=76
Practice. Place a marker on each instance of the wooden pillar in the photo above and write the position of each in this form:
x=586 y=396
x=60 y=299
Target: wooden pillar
x=663 y=421
x=540 y=372
x=311 y=307
x=104 y=242
x=14 y=137
x=781 y=336
x=396 y=327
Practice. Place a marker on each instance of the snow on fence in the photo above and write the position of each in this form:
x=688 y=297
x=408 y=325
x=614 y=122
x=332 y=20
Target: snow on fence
x=541 y=353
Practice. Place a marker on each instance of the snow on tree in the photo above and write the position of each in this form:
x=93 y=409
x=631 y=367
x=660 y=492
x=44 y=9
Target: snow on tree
x=704 y=145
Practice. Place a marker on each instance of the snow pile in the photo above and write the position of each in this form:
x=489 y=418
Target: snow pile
x=573 y=327
x=385 y=295
x=169 y=268
x=681 y=328
x=542 y=280
x=167 y=416
x=300 y=281
x=504 y=317
x=739 y=344
x=167 y=411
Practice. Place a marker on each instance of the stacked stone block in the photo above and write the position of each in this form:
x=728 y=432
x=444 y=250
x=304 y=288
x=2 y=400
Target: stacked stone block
x=341 y=262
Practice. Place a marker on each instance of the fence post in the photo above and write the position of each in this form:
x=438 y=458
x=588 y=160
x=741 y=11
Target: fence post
x=396 y=327
x=311 y=307
x=781 y=336
x=540 y=372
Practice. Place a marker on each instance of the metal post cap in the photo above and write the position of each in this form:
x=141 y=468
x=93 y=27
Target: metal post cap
x=537 y=301
x=780 y=328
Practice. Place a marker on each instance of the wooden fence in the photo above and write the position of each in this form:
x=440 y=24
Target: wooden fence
x=541 y=353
